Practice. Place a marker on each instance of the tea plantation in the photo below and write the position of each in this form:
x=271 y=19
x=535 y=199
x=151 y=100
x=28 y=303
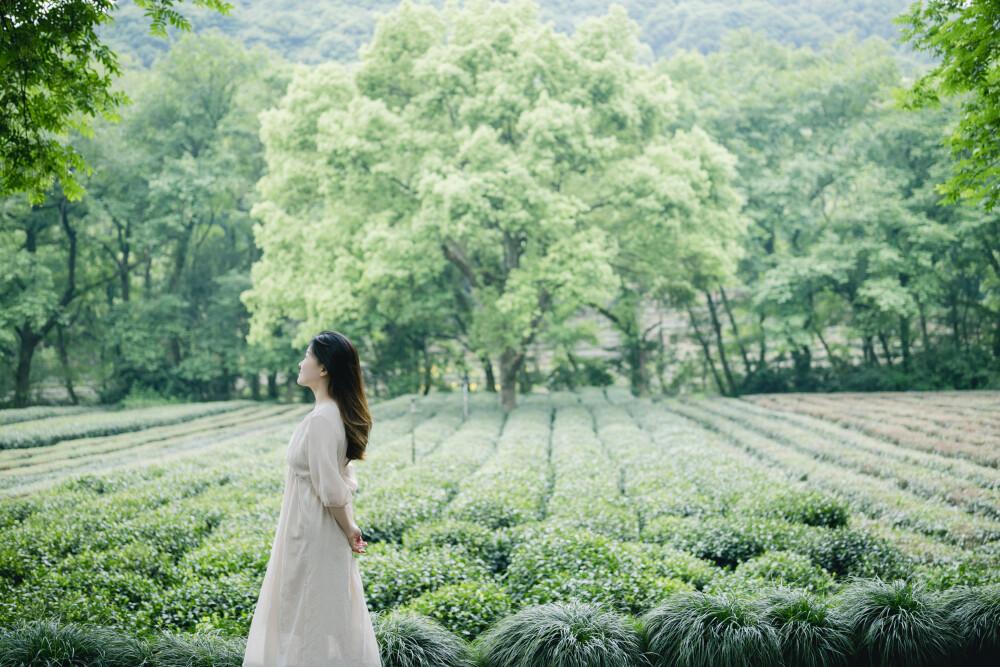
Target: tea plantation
x=588 y=528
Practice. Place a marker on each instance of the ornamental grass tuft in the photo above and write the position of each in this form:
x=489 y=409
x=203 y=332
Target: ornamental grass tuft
x=976 y=610
x=206 y=649
x=699 y=630
x=406 y=639
x=898 y=623
x=562 y=634
x=50 y=643
x=808 y=634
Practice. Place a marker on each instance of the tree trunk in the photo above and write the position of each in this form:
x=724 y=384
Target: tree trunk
x=722 y=349
x=67 y=371
x=708 y=353
x=272 y=385
x=255 y=385
x=510 y=363
x=736 y=331
x=885 y=347
x=22 y=383
x=904 y=339
x=491 y=382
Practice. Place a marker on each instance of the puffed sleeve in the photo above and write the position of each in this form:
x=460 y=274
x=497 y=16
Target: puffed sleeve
x=326 y=449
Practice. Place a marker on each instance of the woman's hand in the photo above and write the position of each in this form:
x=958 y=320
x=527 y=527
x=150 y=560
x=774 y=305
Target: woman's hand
x=354 y=538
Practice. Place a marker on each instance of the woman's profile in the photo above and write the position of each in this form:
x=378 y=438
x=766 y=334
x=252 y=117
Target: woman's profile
x=311 y=611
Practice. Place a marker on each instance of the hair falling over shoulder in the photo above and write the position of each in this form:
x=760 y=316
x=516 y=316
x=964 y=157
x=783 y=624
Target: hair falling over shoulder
x=347 y=387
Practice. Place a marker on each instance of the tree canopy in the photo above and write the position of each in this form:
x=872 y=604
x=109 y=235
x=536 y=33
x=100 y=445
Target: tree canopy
x=58 y=76
x=964 y=37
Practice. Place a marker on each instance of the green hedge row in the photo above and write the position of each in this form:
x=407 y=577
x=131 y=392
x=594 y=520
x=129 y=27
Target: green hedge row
x=881 y=624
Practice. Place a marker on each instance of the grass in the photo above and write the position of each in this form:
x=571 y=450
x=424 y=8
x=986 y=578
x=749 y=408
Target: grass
x=570 y=634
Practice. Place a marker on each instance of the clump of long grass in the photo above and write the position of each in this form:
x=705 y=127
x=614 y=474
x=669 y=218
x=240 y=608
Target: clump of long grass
x=206 y=649
x=406 y=639
x=562 y=634
x=808 y=633
x=898 y=623
x=50 y=643
x=699 y=630
x=976 y=610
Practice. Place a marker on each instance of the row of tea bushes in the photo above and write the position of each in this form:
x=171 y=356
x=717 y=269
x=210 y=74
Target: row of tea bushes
x=895 y=624
x=876 y=497
x=929 y=476
x=40 y=432
x=15 y=415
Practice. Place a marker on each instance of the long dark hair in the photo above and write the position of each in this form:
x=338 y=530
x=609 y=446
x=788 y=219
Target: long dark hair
x=343 y=371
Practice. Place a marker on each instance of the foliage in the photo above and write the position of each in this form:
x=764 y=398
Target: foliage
x=393 y=575
x=58 y=73
x=898 y=622
x=962 y=36
x=198 y=650
x=784 y=567
x=977 y=611
x=559 y=635
x=410 y=640
x=490 y=546
x=46 y=642
x=808 y=632
x=699 y=629
x=467 y=608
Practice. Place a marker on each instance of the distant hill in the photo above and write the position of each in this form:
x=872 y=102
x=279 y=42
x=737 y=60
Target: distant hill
x=317 y=31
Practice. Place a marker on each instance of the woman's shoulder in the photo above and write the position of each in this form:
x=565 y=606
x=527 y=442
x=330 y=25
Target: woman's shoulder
x=326 y=411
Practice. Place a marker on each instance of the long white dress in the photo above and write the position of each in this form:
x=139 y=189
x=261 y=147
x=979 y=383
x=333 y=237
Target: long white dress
x=311 y=611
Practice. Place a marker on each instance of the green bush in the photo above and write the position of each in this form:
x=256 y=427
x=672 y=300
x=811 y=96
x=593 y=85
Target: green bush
x=976 y=610
x=898 y=623
x=394 y=575
x=227 y=601
x=49 y=643
x=197 y=650
x=467 y=608
x=550 y=564
x=853 y=552
x=969 y=570
x=798 y=505
x=410 y=640
x=785 y=567
x=695 y=629
x=562 y=635
x=727 y=541
x=490 y=546
x=808 y=634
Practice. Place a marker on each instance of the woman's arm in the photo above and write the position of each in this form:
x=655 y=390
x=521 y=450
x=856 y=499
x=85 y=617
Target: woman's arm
x=345 y=519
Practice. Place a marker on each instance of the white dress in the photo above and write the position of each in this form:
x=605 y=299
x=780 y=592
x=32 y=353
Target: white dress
x=311 y=611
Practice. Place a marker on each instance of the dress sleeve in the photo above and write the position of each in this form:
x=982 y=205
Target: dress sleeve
x=326 y=448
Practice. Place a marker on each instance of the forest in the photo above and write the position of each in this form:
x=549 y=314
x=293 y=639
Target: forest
x=509 y=195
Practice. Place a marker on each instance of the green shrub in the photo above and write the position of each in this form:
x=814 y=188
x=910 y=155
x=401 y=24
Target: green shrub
x=808 y=634
x=695 y=629
x=969 y=570
x=727 y=541
x=394 y=575
x=410 y=640
x=562 y=634
x=550 y=564
x=785 y=567
x=798 y=505
x=490 y=546
x=853 y=552
x=228 y=599
x=976 y=610
x=898 y=623
x=467 y=608
x=197 y=650
x=50 y=643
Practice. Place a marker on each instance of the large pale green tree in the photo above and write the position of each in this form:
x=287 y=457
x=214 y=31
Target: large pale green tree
x=463 y=179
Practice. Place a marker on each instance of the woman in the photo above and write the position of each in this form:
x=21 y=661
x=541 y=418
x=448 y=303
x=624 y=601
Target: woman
x=311 y=611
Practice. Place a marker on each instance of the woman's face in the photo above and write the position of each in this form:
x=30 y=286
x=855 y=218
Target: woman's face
x=310 y=370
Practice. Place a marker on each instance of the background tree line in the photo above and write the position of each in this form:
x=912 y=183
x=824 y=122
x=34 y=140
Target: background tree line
x=490 y=202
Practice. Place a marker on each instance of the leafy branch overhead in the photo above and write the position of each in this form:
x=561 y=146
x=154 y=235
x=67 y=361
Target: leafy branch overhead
x=58 y=75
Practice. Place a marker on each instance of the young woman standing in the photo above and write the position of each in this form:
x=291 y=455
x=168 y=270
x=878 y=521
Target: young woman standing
x=311 y=611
